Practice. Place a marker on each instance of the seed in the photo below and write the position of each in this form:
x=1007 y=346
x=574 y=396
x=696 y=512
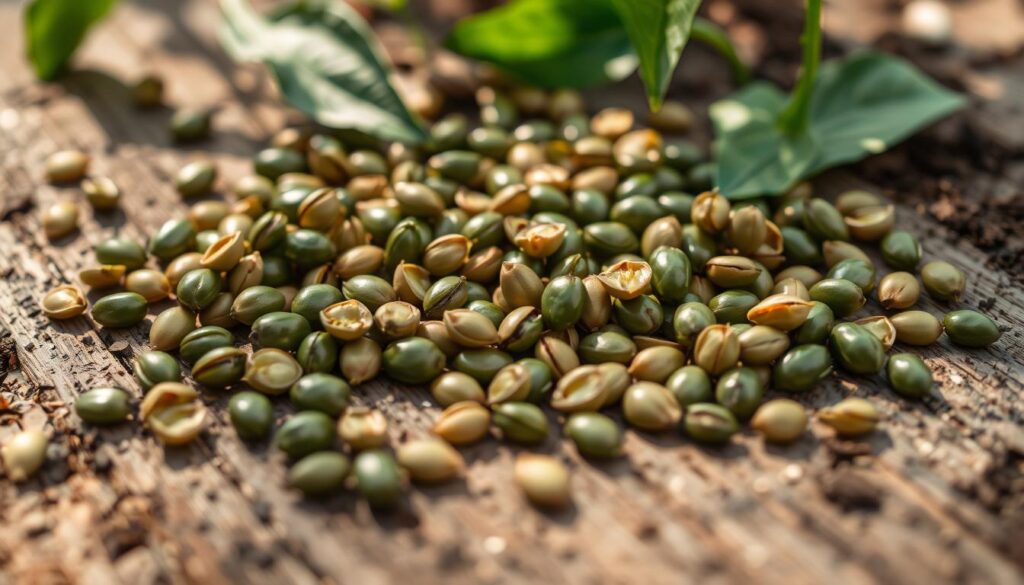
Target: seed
x=740 y=391
x=851 y=417
x=690 y=385
x=360 y=360
x=823 y=221
x=198 y=289
x=842 y=296
x=198 y=342
x=881 y=327
x=791 y=287
x=710 y=212
x=606 y=346
x=378 y=478
x=857 y=349
x=462 y=423
x=195 y=179
x=858 y=271
x=23 y=454
x=817 y=326
x=898 y=290
x=710 y=423
x=321 y=392
x=153 y=367
x=627 y=279
x=413 y=360
x=780 y=421
x=656 y=364
x=717 y=349
x=319 y=474
x=731 y=271
x=119 y=310
x=151 y=284
x=520 y=286
x=318 y=353
x=782 y=312
x=543 y=479
x=650 y=407
x=429 y=460
x=220 y=367
x=319 y=209
x=557 y=355
x=272 y=371
x=901 y=250
x=363 y=428
x=521 y=422
x=65 y=166
x=594 y=434
x=101 y=277
x=63 y=302
x=280 y=330
x=305 y=432
x=582 y=389
x=916 y=327
x=121 y=251
x=103 y=406
x=470 y=329
x=173 y=412
x=909 y=376
x=60 y=219
x=801 y=368
x=970 y=328
x=225 y=253
x=943 y=281
x=189 y=125
x=664 y=231
x=747 y=229
x=511 y=383
x=346 y=320
x=640 y=316
x=689 y=320
x=251 y=414
x=761 y=345
x=452 y=387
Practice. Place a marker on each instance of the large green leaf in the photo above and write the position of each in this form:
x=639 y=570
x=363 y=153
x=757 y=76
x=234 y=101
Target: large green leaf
x=550 y=43
x=327 y=63
x=55 y=28
x=659 y=30
x=753 y=156
x=860 y=105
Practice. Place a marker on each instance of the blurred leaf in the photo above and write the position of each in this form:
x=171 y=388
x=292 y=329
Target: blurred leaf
x=658 y=30
x=549 y=43
x=714 y=36
x=55 y=28
x=327 y=63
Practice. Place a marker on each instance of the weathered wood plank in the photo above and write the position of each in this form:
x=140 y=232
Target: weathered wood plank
x=917 y=506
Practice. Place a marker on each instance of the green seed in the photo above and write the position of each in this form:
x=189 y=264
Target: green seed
x=121 y=251
x=606 y=346
x=318 y=352
x=413 y=360
x=521 y=422
x=901 y=250
x=970 y=328
x=195 y=179
x=104 y=406
x=562 y=302
x=842 y=296
x=254 y=302
x=199 y=342
x=483 y=364
x=690 y=385
x=740 y=391
x=274 y=162
x=120 y=310
x=153 y=367
x=689 y=320
x=816 y=328
x=823 y=221
x=197 y=289
x=370 y=290
x=856 y=349
x=378 y=478
x=640 y=316
x=190 y=125
x=220 y=367
x=856 y=271
x=780 y=421
x=322 y=392
x=909 y=376
x=304 y=433
x=251 y=414
x=943 y=281
x=308 y=248
x=800 y=247
x=710 y=423
x=801 y=368
x=671 y=273
x=595 y=434
x=732 y=306
x=916 y=327
x=319 y=474
x=279 y=330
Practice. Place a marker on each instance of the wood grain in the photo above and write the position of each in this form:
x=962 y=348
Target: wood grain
x=934 y=496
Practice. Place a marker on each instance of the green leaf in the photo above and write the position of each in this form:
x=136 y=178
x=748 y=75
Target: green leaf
x=549 y=43
x=870 y=102
x=753 y=155
x=327 y=63
x=659 y=30
x=55 y=28
x=860 y=105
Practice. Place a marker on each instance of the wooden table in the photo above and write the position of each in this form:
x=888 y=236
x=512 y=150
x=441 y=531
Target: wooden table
x=933 y=496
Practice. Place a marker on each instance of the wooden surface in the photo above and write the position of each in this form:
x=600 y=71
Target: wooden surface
x=933 y=496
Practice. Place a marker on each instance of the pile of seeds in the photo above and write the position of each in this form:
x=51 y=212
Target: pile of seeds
x=544 y=259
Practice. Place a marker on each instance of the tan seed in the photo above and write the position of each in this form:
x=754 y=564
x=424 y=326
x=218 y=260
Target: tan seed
x=543 y=479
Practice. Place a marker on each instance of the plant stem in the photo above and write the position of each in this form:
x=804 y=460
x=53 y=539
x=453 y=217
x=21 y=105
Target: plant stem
x=794 y=119
x=711 y=34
